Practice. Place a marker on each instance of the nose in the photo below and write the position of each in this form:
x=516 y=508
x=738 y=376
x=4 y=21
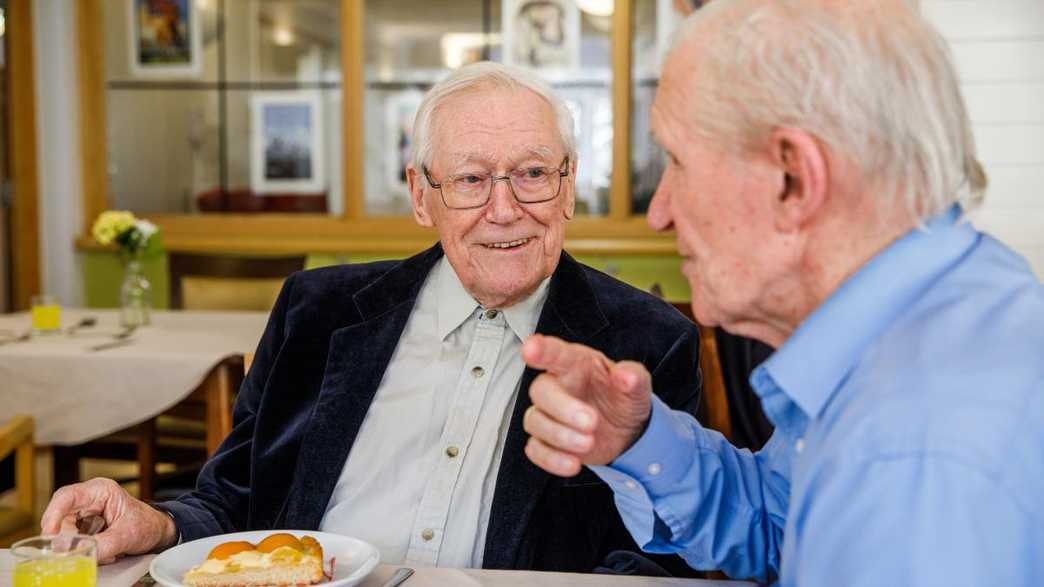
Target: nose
x=659 y=215
x=502 y=207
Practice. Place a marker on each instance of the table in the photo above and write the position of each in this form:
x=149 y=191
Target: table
x=125 y=572
x=76 y=394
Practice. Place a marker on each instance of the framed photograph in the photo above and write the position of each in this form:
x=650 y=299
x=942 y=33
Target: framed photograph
x=286 y=144
x=166 y=38
x=542 y=34
x=669 y=16
x=399 y=112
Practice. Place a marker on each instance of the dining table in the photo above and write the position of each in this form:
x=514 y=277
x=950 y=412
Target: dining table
x=132 y=572
x=94 y=377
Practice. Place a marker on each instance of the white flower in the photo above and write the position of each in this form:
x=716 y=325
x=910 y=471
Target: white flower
x=146 y=228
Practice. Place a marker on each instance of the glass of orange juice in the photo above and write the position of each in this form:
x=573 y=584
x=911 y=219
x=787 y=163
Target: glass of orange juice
x=46 y=314
x=55 y=561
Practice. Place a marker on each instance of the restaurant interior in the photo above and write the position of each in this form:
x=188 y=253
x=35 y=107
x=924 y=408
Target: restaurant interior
x=257 y=138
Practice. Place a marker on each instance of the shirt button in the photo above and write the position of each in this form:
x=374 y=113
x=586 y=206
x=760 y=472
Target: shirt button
x=631 y=485
x=477 y=372
x=799 y=445
x=452 y=451
x=491 y=314
x=655 y=468
x=427 y=534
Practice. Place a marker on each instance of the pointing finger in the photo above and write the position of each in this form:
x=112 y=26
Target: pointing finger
x=557 y=356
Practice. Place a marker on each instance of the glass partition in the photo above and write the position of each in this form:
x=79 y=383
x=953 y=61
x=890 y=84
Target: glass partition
x=223 y=105
x=655 y=22
x=410 y=44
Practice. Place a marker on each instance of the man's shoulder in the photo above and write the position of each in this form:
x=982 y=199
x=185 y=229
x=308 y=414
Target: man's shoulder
x=639 y=325
x=626 y=306
x=339 y=280
x=960 y=376
x=321 y=300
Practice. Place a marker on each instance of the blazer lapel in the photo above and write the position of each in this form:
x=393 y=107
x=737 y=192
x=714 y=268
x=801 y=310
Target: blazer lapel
x=358 y=357
x=571 y=312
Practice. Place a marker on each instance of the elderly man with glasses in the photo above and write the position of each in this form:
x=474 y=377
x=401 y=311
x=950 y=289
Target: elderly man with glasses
x=385 y=400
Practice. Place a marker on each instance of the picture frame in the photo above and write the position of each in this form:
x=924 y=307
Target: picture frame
x=166 y=38
x=399 y=113
x=286 y=143
x=541 y=34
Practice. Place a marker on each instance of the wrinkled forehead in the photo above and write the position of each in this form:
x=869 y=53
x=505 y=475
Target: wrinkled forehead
x=464 y=155
x=495 y=125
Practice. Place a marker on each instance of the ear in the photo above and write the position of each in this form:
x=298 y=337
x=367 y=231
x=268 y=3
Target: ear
x=569 y=206
x=417 y=181
x=803 y=164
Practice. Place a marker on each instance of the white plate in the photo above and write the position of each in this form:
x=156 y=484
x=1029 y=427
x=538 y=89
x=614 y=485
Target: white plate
x=355 y=558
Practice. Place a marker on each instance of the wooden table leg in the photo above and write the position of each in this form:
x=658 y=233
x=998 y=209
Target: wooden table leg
x=66 y=465
x=147 y=459
x=218 y=388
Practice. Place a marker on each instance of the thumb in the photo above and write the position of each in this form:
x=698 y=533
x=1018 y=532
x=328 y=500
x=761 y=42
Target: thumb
x=109 y=544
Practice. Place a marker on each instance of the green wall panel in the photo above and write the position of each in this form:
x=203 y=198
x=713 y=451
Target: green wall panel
x=103 y=273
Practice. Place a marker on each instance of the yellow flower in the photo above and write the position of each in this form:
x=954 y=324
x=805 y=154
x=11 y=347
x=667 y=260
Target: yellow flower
x=111 y=224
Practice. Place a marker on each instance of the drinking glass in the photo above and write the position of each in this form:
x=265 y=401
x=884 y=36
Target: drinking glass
x=46 y=314
x=55 y=561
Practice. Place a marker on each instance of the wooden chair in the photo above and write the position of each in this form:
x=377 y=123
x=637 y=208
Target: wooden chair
x=224 y=282
x=182 y=435
x=20 y=521
x=714 y=409
x=211 y=282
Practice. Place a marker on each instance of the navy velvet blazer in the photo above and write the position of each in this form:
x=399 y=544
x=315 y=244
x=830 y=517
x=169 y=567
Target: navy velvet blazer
x=323 y=354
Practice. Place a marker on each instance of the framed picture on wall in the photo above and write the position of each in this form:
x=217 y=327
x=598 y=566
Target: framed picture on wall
x=165 y=38
x=399 y=112
x=669 y=16
x=543 y=34
x=286 y=143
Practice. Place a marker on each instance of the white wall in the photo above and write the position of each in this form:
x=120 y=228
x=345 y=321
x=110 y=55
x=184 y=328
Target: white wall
x=998 y=46
x=58 y=162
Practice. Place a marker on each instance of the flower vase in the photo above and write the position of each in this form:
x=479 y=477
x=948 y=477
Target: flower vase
x=135 y=296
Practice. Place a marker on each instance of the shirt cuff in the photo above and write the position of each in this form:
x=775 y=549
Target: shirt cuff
x=636 y=475
x=663 y=454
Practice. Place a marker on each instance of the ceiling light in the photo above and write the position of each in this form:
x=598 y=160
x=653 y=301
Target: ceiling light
x=596 y=7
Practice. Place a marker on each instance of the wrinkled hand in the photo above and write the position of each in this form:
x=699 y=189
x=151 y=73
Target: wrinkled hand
x=587 y=410
x=131 y=525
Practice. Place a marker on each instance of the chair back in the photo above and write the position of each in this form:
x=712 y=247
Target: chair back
x=713 y=411
x=225 y=282
x=16 y=437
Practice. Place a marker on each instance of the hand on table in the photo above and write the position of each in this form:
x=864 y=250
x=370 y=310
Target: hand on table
x=587 y=410
x=131 y=525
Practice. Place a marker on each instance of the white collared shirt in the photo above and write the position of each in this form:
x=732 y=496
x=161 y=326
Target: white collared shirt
x=420 y=478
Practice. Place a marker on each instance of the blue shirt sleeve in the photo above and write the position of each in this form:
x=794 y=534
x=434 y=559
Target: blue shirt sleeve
x=684 y=489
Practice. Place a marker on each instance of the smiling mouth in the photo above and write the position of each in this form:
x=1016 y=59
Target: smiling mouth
x=508 y=244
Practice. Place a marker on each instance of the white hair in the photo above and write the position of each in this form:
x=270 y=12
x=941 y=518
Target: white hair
x=873 y=80
x=481 y=76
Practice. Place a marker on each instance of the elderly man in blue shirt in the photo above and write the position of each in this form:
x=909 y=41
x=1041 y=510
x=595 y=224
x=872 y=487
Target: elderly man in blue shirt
x=821 y=168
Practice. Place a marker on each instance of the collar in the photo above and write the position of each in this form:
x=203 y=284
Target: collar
x=815 y=360
x=456 y=305
x=571 y=309
x=523 y=316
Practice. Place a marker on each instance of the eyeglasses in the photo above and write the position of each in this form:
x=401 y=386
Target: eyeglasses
x=529 y=185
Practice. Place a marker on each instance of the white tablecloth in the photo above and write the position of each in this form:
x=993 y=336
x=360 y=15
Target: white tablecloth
x=76 y=394
x=127 y=571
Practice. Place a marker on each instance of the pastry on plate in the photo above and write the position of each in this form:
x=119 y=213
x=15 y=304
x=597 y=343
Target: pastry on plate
x=280 y=559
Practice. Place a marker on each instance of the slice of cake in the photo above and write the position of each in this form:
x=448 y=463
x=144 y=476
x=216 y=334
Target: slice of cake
x=280 y=559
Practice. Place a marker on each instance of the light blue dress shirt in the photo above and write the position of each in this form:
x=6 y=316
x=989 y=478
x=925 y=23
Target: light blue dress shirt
x=909 y=442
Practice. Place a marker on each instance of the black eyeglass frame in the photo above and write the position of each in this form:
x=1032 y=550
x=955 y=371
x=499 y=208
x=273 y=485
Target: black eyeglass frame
x=563 y=171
